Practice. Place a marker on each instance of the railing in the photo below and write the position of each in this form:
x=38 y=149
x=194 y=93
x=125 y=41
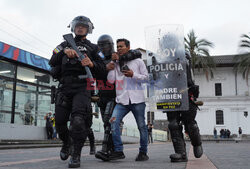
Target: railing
x=38 y=118
x=158 y=135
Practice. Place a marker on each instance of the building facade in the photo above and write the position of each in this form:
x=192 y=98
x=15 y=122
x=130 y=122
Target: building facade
x=25 y=89
x=226 y=99
x=225 y=96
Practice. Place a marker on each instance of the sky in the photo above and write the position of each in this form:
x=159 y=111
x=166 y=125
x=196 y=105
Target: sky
x=38 y=25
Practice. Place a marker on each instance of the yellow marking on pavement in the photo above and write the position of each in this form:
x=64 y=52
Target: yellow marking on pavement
x=198 y=163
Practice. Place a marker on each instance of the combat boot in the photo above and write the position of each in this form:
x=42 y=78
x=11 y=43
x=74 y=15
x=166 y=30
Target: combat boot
x=92 y=150
x=178 y=143
x=142 y=157
x=178 y=157
x=65 y=151
x=198 y=151
x=195 y=138
x=75 y=159
x=104 y=156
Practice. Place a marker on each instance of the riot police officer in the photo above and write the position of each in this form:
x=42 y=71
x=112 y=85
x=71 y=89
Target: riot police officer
x=73 y=99
x=187 y=118
x=107 y=97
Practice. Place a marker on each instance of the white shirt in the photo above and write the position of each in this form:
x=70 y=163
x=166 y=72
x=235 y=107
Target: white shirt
x=129 y=88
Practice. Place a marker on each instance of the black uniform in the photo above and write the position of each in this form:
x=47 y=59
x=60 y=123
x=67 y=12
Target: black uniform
x=107 y=97
x=73 y=99
x=187 y=118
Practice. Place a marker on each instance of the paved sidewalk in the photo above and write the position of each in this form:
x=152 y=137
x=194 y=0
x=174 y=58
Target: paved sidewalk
x=226 y=155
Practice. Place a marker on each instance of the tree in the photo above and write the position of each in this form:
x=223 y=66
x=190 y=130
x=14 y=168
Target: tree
x=199 y=52
x=243 y=60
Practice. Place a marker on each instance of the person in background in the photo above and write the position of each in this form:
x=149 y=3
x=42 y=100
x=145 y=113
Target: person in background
x=228 y=133
x=28 y=119
x=53 y=120
x=49 y=125
x=121 y=126
x=222 y=133
x=215 y=133
x=240 y=132
x=150 y=128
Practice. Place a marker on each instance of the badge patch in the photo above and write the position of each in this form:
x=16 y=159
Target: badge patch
x=101 y=55
x=58 y=49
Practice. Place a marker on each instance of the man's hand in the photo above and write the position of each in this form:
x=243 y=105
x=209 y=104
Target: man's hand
x=115 y=56
x=87 y=62
x=128 y=73
x=110 y=66
x=70 y=53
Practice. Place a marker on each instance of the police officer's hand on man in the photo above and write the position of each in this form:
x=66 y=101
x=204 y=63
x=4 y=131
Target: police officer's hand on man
x=110 y=66
x=115 y=56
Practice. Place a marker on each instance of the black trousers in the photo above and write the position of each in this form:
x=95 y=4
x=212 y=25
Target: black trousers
x=76 y=104
x=186 y=118
x=107 y=144
x=91 y=137
x=49 y=131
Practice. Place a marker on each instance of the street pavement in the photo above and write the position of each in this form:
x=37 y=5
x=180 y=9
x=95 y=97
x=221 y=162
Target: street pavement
x=222 y=155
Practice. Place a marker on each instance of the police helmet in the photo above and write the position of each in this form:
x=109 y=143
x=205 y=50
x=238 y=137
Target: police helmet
x=106 y=44
x=81 y=20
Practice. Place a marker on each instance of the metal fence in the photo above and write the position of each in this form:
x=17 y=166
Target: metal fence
x=158 y=135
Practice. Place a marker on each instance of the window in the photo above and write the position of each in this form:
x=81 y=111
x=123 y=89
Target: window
x=218 y=91
x=30 y=75
x=150 y=116
x=153 y=116
x=7 y=69
x=219 y=117
x=6 y=91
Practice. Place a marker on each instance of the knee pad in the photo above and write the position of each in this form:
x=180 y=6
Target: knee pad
x=77 y=124
x=173 y=125
x=193 y=127
x=194 y=134
x=106 y=118
x=78 y=128
x=175 y=131
x=108 y=111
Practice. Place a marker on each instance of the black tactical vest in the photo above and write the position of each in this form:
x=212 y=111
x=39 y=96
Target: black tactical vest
x=72 y=66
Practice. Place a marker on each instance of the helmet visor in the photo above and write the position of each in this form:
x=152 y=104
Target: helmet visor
x=85 y=24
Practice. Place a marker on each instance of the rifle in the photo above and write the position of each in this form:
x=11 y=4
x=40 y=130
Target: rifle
x=70 y=39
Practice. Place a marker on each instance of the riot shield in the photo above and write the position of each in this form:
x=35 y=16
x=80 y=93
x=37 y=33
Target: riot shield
x=166 y=65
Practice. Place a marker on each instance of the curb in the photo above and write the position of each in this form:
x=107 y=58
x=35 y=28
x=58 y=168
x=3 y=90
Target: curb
x=14 y=144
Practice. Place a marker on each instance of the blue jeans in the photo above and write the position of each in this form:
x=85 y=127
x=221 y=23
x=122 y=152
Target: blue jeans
x=120 y=111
